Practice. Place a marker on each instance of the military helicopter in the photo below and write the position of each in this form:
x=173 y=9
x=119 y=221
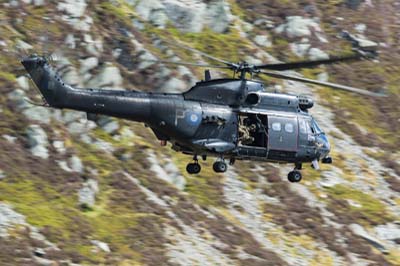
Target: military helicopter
x=230 y=119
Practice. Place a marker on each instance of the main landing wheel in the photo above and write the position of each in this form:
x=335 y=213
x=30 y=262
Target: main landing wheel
x=193 y=168
x=295 y=176
x=220 y=167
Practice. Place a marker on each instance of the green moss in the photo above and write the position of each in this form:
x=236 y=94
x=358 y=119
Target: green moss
x=371 y=208
x=57 y=216
x=205 y=188
x=91 y=156
x=126 y=233
x=110 y=226
x=228 y=46
x=204 y=191
x=119 y=9
x=35 y=22
x=281 y=49
x=236 y=10
x=7 y=76
x=392 y=257
x=41 y=204
x=103 y=135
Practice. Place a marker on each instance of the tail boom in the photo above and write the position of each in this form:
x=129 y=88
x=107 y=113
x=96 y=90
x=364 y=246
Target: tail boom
x=118 y=103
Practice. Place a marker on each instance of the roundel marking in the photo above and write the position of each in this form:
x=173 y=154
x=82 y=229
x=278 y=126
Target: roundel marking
x=192 y=118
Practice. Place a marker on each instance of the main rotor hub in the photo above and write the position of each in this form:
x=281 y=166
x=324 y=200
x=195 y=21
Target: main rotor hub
x=243 y=68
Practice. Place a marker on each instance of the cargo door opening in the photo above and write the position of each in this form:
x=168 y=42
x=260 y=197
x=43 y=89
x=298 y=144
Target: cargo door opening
x=253 y=130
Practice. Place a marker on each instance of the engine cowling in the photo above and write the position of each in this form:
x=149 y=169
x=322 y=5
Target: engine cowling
x=305 y=102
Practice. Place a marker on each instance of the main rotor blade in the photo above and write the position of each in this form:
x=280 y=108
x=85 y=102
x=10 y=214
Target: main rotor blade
x=321 y=83
x=307 y=64
x=186 y=64
x=201 y=53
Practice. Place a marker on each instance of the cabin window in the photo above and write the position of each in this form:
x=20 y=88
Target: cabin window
x=289 y=128
x=276 y=126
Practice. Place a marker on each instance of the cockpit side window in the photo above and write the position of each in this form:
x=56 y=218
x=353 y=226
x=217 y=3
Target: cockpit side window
x=302 y=126
x=316 y=128
x=310 y=128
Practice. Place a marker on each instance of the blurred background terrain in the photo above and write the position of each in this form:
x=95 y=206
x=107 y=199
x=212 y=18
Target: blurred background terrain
x=76 y=192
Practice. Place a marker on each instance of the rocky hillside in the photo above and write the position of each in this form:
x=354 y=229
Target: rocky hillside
x=75 y=192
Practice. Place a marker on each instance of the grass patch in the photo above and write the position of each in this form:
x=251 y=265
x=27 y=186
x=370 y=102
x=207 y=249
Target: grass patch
x=228 y=46
x=119 y=9
x=206 y=187
x=8 y=77
x=372 y=211
x=41 y=205
x=206 y=191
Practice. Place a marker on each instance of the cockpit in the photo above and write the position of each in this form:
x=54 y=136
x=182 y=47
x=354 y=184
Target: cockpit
x=321 y=141
x=315 y=129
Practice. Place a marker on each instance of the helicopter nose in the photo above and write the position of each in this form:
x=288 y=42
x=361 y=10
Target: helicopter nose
x=323 y=145
x=327 y=145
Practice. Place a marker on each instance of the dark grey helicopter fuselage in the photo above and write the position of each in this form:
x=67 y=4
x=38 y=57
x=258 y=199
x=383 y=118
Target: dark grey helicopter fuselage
x=205 y=120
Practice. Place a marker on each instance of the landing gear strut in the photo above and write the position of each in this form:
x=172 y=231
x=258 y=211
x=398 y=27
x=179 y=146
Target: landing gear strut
x=295 y=176
x=193 y=168
x=220 y=166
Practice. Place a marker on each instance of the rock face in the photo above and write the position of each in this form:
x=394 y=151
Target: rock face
x=23 y=83
x=76 y=164
x=30 y=111
x=87 y=194
x=297 y=27
x=39 y=114
x=74 y=8
x=108 y=124
x=174 y=85
x=388 y=231
x=219 y=15
x=262 y=40
x=2 y=174
x=153 y=11
x=359 y=230
x=18 y=96
x=317 y=54
x=101 y=245
x=188 y=15
x=8 y=219
x=59 y=146
x=88 y=64
x=109 y=76
x=168 y=173
x=37 y=141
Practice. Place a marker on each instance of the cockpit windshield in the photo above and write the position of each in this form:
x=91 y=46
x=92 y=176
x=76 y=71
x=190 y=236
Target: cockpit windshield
x=317 y=129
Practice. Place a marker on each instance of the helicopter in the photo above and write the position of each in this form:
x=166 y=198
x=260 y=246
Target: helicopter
x=229 y=118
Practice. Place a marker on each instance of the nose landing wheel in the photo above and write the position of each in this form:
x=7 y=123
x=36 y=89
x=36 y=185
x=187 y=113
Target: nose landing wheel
x=295 y=176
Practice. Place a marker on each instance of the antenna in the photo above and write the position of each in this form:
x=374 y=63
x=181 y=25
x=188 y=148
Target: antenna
x=207 y=75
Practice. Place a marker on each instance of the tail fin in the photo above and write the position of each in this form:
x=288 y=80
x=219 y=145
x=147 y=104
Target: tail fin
x=48 y=82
